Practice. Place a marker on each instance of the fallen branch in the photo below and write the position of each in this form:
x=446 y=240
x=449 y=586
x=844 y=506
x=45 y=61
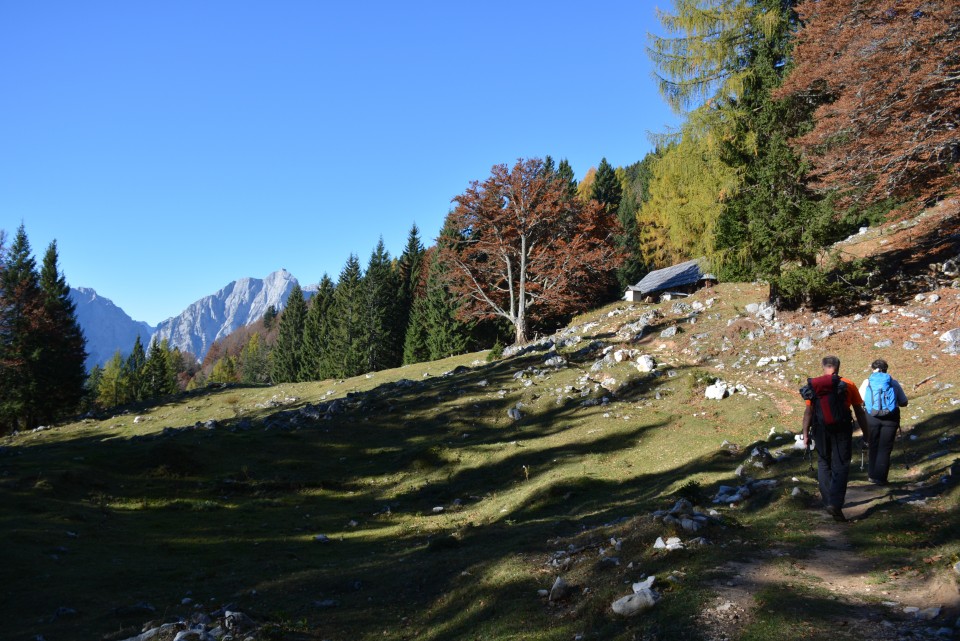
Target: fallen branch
x=929 y=378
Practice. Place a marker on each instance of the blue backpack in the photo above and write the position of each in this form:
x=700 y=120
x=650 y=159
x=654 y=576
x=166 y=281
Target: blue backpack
x=881 y=398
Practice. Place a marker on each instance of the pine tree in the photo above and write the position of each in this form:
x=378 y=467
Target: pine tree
x=628 y=240
x=157 y=380
x=315 y=332
x=269 y=317
x=415 y=348
x=447 y=335
x=287 y=355
x=91 y=388
x=23 y=326
x=62 y=369
x=383 y=340
x=135 y=373
x=345 y=355
x=607 y=189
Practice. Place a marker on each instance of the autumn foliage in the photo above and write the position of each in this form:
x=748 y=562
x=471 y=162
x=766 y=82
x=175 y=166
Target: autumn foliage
x=525 y=250
x=887 y=76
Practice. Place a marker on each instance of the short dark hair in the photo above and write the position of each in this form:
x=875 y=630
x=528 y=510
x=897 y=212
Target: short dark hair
x=879 y=364
x=831 y=361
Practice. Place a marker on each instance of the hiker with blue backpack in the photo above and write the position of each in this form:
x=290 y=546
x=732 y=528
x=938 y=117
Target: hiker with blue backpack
x=831 y=402
x=882 y=398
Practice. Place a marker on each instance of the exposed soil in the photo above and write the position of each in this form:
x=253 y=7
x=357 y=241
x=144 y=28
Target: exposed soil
x=875 y=610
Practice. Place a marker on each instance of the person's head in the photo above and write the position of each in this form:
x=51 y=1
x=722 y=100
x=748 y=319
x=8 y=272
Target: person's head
x=831 y=365
x=879 y=365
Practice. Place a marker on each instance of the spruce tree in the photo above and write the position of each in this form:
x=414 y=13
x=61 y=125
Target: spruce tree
x=565 y=173
x=415 y=348
x=409 y=267
x=346 y=352
x=62 y=363
x=157 y=380
x=382 y=332
x=315 y=332
x=23 y=326
x=628 y=240
x=135 y=373
x=287 y=355
x=447 y=334
x=607 y=189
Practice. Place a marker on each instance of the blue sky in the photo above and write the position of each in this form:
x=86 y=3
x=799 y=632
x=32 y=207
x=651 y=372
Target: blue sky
x=171 y=147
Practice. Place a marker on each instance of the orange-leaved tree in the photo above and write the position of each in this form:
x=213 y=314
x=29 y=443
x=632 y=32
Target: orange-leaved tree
x=887 y=75
x=521 y=248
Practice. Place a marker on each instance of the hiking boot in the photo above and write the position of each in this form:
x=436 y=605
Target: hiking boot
x=836 y=513
x=877 y=481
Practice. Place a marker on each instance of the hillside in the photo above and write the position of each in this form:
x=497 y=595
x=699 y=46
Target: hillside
x=434 y=501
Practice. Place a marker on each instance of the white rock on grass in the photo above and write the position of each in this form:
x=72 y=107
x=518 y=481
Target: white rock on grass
x=646 y=364
x=718 y=391
x=633 y=604
x=514 y=414
x=560 y=590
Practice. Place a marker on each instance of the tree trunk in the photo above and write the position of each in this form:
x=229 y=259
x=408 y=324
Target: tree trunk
x=520 y=325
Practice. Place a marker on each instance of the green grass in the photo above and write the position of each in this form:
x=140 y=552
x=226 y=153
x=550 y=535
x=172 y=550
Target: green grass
x=97 y=515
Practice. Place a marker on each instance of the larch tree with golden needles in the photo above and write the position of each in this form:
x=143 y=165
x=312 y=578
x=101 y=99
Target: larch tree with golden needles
x=525 y=250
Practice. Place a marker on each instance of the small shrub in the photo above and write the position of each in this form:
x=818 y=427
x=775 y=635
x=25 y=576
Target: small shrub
x=496 y=352
x=692 y=491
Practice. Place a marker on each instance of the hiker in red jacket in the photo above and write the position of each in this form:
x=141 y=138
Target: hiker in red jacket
x=829 y=400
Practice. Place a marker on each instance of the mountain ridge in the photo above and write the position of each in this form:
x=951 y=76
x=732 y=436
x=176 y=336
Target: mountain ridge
x=109 y=328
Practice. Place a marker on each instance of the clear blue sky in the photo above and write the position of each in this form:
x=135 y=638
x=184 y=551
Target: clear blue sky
x=171 y=147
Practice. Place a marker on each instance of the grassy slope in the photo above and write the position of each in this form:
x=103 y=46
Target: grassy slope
x=230 y=516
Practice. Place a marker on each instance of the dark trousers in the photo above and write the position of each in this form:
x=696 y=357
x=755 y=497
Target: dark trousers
x=882 y=434
x=834 y=450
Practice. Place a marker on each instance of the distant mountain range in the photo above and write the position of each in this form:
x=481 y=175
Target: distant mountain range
x=108 y=328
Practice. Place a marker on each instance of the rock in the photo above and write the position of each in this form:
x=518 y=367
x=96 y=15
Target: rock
x=560 y=590
x=669 y=332
x=796 y=492
x=910 y=345
x=646 y=584
x=321 y=538
x=873 y=320
x=752 y=308
x=951 y=336
x=767 y=312
x=237 y=621
x=514 y=414
x=919 y=298
x=933 y=298
x=956 y=569
x=928 y=614
x=689 y=525
x=193 y=635
x=682 y=506
x=633 y=604
x=718 y=391
x=952 y=349
x=646 y=364
x=672 y=543
x=805 y=344
x=887 y=342
x=555 y=361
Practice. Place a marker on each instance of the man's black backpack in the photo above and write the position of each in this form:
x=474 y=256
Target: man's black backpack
x=828 y=398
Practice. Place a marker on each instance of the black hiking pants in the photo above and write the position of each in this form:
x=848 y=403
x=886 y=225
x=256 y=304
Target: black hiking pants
x=834 y=451
x=883 y=433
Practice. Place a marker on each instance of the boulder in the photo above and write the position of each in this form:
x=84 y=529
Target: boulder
x=560 y=590
x=911 y=345
x=805 y=344
x=887 y=342
x=646 y=364
x=514 y=414
x=633 y=604
x=237 y=621
x=718 y=391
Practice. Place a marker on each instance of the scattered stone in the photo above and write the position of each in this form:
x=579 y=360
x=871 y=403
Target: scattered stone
x=646 y=584
x=951 y=336
x=237 y=621
x=887 y=342
x=805 y=344
x=796 y=493
x=646 y=364
x=514 y=414
x=911 y=345
x=555 y=361
x=322 y=538
x=671 y=544
x=669 y=332
x=560 y=590
x=633 y=604
x=928 y=614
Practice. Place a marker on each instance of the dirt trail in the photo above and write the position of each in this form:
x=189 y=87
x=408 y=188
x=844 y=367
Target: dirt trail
x=875 y=607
